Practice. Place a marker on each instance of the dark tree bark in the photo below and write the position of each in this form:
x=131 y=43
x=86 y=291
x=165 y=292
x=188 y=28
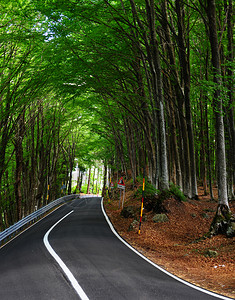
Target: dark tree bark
x=104 y=183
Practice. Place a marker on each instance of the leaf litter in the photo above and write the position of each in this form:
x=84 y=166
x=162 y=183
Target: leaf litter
x=177 y=245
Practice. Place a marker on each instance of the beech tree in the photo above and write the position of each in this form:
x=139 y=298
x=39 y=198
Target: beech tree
x=223 y=210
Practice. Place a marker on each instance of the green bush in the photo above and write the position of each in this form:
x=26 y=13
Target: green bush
x=149 y=190
x=153 y=198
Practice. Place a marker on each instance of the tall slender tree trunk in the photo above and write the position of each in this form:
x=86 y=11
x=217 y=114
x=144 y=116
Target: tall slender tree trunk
x=185 y=67
x=230 y=109
x=4 y=134
x=80 y=183
x=130 y=146
x=93 y=181
x=158 y=94
x=78 y=179
x=208 y=150
x=19 y=165
x=223 y=211
x=203 y=169
x=105 y=178
x=182 y=143
x=89 y=180
x=175 y=147
x=217 y=105
x=97 y=180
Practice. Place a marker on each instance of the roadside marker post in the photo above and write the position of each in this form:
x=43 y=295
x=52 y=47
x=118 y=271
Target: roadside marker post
x=142 y=202
x=48 y=188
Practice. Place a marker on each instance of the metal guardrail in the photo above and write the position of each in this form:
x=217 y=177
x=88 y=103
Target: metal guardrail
x=15 y=229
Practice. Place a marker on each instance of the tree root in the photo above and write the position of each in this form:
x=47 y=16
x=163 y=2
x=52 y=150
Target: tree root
x=223 y=222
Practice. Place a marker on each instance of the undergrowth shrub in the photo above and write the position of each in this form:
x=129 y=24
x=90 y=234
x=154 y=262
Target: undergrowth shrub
x=153 y=198
x=176 y=191
x=149 y=190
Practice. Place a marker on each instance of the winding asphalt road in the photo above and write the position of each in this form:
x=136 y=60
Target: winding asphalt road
x=102 y=265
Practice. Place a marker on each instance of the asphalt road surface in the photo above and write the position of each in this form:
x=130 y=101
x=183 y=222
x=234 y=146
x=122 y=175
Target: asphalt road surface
x=76 y=240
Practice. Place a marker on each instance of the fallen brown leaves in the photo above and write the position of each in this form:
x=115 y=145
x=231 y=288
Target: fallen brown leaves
x=173 y=245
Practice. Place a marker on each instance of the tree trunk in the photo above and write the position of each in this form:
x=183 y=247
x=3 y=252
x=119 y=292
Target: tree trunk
x=208 y=150
x=223 y=206
x=217 y=105
x=80 y=183
x=131 y=145
x=230 y=109
x=184 y=179
x=104 y=183
x=19 y=165
x=158 y=94
x=223 y=222
x=203 y=170
x=88 y=183
x=185 y=68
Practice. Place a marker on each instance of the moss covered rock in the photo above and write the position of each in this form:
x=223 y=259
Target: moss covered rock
x=211 y=253
x=159 y=218
x=128 y=212
x=133 y=225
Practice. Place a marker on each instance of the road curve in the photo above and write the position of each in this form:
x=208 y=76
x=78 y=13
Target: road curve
x=103 y=266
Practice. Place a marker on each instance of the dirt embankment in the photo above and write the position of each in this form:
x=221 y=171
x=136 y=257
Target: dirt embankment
x=173 y=244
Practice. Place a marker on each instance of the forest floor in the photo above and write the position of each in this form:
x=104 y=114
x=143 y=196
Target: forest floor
x=173 y=244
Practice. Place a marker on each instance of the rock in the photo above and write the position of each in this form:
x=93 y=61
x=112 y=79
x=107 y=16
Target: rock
x=233 y=225
x=133 y=225
x=160 y=218
x=231 y=230
x=128 y=212
x=211 y=253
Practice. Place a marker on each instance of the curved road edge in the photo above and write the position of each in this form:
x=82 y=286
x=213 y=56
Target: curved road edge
x=60 y=262
x=157 y=266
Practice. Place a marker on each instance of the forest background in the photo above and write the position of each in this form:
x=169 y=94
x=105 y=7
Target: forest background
x=132 y=83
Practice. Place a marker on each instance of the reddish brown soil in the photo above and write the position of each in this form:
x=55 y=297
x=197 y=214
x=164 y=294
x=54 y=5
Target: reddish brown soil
x=172 y=245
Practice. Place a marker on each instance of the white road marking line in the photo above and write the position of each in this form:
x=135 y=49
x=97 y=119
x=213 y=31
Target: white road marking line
x=155 y=265
x=65 y=269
